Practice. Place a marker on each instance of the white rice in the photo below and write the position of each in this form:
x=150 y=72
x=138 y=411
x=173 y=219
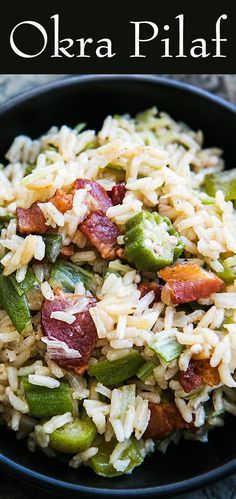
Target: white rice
x=47 y=381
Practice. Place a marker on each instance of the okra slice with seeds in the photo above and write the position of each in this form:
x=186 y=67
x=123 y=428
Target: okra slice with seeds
x=131 y=456
x=114 y=372
x=222 y=181
x=74 y=437
x=151 y=242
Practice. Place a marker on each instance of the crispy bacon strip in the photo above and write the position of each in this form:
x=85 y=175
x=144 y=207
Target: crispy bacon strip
x=146 y=287
x=79 y=336
x=117 y=193
x=62 y=201
x=186 y=282
x=98 y=198
x=197 y=374
x=102 y=233
x=165 y=418
x=31 y=220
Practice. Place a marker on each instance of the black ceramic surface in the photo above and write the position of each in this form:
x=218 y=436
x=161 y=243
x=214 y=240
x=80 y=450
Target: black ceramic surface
x=90 y=99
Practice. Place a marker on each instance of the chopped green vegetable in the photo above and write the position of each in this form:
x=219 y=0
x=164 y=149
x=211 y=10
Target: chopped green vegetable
x=167 y=396
x=100 y=462
x=80 y=127
x=116 y=171
x=16 y=306
x=145 y=371
x=29 y=282
x=118 y=267
x=210 y=411
x=47 y=402
x=66 y=275
x=74 y=437
x=7 y=217
x=53 y=245
x=29 y=169
x=208 y=201
x=227 y=275
x=167 y=348
x=90 y=145
x=151 y=242
x=116 y=371
x=222 y=181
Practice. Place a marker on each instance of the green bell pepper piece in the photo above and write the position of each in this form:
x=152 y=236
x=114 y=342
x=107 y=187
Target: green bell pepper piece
x=100 y=462
x=53 y=245
x=16 y=306
x=74 y=437
x=151 y=242
x=168 y=349
x=47 y=402
x=114 y=372
x=222 y=181
x=66 y=275
x=30 y=281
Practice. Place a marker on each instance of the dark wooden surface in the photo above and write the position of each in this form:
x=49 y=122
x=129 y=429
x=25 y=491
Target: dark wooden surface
x=224 y=85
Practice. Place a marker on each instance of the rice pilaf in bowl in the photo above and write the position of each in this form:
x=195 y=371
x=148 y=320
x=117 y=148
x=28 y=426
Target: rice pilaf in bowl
x=117 y=290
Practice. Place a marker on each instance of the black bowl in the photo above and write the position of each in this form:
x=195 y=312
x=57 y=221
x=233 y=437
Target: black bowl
x=90 y=99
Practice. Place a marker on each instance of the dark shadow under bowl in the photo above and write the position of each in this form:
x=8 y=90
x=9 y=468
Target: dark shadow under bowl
x=91 y=99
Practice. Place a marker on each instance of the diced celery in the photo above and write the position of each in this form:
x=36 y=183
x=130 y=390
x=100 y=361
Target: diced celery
x=167 y=348
x=145 y=371
x=120 y=268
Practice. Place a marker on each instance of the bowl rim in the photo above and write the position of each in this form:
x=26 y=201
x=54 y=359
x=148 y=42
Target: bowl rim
x=61 y=486
x=148 y=78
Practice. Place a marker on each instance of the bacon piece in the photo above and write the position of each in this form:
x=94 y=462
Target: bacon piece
x=98 y=198
x=186 y=282
x=102 y=233
x=165 y=418
x=62 y=201
x=117 y=193
x=81 y=335
x=210 y=375
x=31 y=220
x=191 y=378
x=146 y=287
x=199 y=372
x=67 y=251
